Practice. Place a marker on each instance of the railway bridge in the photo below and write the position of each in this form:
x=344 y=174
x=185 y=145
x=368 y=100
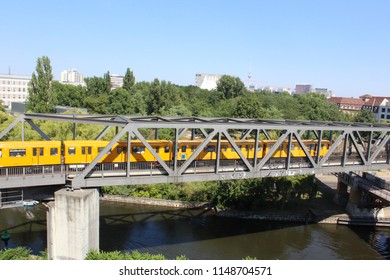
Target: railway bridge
x=201 y=149
x=323 y=147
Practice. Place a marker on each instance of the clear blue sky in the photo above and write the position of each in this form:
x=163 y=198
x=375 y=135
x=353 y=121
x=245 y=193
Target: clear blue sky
x=343 y=45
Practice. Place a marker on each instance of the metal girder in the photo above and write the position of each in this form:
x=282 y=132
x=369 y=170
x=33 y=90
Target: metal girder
x=201 y=123
x=11 y=126
x=264 y=160
x=196 y=152
x=37 y=129
x=238 y=150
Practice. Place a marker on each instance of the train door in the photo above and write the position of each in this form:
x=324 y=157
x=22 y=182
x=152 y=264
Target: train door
x=37 y=154
x=86 y=154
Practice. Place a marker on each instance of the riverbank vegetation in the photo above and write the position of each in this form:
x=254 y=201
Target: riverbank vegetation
x=248 y=194
x=21 y=253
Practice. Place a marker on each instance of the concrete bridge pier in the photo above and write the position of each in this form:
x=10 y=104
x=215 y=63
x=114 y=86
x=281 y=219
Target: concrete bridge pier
x=355 y=206
x=73 y=224
x=341 y=197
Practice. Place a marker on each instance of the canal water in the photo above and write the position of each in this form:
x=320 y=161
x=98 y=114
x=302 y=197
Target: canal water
x=199 y=234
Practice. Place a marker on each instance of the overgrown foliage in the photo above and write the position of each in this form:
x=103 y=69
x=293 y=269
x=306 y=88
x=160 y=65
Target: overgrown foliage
x=128 y=255
x=248 y=194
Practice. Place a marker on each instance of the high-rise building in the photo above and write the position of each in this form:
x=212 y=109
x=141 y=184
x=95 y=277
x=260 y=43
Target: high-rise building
x=303 y=88
x=207 y=81
x=72 y=77
x=13 y=88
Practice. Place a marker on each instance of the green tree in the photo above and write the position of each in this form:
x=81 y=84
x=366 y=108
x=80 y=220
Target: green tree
x=316 y=107
x=162 y=96
x=41 y=98
x=97 y=94
x=252 y=106
x=128 y=80
x=69 y=95
x=119 y=102
x=107 y=81
x=365 y=116
x=230 y=86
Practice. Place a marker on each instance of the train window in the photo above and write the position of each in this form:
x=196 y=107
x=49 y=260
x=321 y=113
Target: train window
x=166 y=149
x=71 y=150
x=17 y=153
x=34 y=152
x=157 y=149
x=53 y=151
x=209 y=149
x=118 y=150
x=89 y=150
x=41 y=151
x=292 y=147
x=83 y=150
x=193 y=148
x=139 y=150
x=224 y=148
x=101 y=149
x=183 y=149
x=249 y=147
x=1 y=153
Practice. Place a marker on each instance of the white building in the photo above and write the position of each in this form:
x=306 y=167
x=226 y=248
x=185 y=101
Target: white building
x=116 y=81
x=207 y=81
x=72 y=77
x=13 y=88
x=275 y=89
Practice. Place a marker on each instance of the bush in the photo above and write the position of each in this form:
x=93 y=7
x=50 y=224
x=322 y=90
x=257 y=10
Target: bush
x=19 y=253
x=117 y=255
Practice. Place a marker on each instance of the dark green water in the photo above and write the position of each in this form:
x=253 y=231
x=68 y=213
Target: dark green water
x=202 y=235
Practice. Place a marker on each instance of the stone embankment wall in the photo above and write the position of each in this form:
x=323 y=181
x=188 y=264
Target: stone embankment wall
x=154 y=201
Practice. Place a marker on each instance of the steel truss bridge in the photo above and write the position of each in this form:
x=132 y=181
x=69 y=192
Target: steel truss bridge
x=353 y=147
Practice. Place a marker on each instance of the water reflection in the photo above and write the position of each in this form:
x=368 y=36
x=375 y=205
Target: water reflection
x=199 y=234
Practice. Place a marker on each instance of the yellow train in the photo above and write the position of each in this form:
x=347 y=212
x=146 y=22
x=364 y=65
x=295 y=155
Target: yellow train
x=33 y=153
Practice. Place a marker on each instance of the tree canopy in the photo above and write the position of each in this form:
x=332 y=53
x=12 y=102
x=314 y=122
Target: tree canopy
x=41 y=98
x=160 y=97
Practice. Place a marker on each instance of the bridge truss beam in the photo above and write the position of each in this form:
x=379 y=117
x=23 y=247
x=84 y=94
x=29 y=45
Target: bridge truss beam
x=351 y=147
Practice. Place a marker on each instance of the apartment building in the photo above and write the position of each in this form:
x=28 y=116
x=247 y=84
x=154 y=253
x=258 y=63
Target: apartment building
x=13 y=88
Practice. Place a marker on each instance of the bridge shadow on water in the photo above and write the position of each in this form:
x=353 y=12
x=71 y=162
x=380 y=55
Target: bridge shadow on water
x=196 y=233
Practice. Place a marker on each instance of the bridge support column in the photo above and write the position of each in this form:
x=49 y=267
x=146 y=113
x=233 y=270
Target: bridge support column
x=341 y=196
x=355 y=195
x=73 y=224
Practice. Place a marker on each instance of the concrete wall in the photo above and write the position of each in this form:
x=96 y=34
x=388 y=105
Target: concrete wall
x=73 y=224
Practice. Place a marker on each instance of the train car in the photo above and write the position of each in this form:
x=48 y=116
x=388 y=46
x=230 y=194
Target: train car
x=28 y=153
x=209 y=152
x=296 y=150
x=85 y=151
x=75 y=152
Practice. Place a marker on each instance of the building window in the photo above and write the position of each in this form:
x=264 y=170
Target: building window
x=383 y=110
x=382 y=116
